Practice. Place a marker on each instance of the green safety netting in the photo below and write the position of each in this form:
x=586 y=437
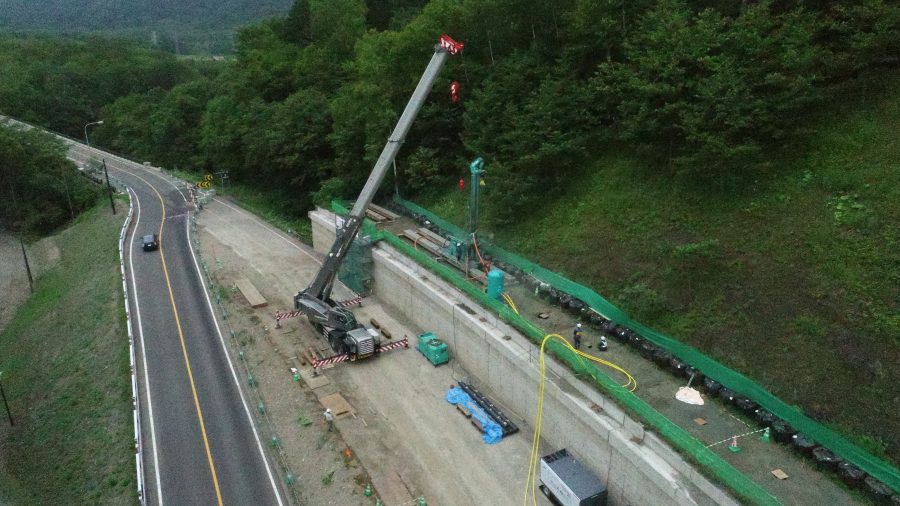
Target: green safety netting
x=678 y=437
x=356 y=270
x=729 y=378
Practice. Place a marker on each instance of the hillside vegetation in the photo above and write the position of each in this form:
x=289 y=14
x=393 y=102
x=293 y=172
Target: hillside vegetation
x=66 y=374
x=694 y=160
x=792 y=280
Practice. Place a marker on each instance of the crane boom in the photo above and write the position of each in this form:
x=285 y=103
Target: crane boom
x=315 y=301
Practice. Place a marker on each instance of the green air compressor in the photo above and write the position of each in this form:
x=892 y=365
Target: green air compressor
x=433 y=348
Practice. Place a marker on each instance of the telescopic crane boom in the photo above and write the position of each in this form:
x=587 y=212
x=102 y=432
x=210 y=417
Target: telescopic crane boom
x=338 y=324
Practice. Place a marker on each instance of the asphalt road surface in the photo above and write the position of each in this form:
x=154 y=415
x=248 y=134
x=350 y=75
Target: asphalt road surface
x=200 y=442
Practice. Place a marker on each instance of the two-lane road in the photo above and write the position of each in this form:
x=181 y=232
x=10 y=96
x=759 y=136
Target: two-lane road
x=200 y=443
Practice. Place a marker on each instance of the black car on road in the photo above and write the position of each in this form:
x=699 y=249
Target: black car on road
x=151 y=242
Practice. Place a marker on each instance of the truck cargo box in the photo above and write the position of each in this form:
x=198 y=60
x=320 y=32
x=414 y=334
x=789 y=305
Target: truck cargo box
x=568 y=483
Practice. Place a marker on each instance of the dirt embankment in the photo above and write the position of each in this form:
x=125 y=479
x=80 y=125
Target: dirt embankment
x=13 y=278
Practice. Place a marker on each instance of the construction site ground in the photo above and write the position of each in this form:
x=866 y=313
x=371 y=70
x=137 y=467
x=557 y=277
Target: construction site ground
x=805 y=484
x=410 y=441
x=401 y=435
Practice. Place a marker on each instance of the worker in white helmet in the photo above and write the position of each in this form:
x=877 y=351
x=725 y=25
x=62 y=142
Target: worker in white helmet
x=329 y=419
x=576 y=336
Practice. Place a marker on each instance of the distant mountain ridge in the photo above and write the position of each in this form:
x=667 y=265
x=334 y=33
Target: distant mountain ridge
x=90 y=15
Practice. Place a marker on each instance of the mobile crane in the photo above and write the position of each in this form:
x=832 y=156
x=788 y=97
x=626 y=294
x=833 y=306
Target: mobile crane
x=338 y=324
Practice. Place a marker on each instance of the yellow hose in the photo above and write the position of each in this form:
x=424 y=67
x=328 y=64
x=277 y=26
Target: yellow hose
x=509 y=301
x=531 y=478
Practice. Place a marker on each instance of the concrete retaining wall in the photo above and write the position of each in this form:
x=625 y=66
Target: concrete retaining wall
x=637 y=466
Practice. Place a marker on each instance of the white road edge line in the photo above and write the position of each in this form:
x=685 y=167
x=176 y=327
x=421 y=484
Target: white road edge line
x=237 y=383
x=137 y=312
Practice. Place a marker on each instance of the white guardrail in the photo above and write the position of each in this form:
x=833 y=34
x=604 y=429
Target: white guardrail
x=135 y=400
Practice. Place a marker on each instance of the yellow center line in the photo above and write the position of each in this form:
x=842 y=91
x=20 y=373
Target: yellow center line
x=187 y=362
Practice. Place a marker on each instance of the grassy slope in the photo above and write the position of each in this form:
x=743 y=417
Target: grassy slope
x=795 y=281
x=66 y=374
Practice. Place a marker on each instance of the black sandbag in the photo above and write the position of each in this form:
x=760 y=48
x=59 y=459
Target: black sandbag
x=693 y=371
x=764 y=418
x=825 y=459
x=783 y=432
x=880 y=492
x=608 y=327
x=564 y=300
x=554 y=296
x=577 y=305
x=595 y=319
x=803 y=444
x=635 y=341
x=895 y=499
x=746 y=405
x=851 y=475
x=647 y=350
x=662 y=357
x=727 y=395
x=678 y=368
x=711 y=386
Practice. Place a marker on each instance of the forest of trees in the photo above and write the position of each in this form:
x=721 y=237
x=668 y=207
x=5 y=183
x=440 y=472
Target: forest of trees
x=174 y=26
x=39 y=189
x=703 y=88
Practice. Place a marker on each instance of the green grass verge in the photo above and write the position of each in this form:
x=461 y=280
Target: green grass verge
x=792 y=280
x=67 y=378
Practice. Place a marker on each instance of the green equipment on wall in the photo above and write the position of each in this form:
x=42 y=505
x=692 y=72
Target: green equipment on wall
x=433 y=348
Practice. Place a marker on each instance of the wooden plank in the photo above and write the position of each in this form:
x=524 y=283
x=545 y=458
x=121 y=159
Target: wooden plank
x=251 y=293
x=778 y=473
x=433 y=237
x=337 y=404
x=374 y=216
x=387 y=212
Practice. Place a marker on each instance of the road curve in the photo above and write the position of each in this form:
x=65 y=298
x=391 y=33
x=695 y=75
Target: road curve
x=200 y=442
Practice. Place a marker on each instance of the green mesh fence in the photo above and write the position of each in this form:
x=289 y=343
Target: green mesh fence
x=356 y=270
x=678 y=437
x=731 y=379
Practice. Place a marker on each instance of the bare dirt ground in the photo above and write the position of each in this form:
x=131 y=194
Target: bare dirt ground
x=42 y=255
x=402 y=436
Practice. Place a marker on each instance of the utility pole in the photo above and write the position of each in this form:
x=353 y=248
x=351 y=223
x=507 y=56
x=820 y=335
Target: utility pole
x=17 y=226
x=27 y=267
x=3 y=394
x=112 y=203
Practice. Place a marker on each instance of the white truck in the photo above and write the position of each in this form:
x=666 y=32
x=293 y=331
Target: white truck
x=566 y=482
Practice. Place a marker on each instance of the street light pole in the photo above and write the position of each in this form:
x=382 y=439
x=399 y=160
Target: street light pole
x=3 y=394
x=86 y=139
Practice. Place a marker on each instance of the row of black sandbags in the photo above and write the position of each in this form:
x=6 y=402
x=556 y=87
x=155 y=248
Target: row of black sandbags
x=782 y=432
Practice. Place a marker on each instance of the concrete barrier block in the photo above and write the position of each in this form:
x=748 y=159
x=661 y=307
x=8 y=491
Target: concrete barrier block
x=635 y=430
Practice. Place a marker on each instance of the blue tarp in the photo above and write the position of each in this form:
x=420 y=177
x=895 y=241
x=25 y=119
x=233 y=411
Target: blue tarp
x=492 y=431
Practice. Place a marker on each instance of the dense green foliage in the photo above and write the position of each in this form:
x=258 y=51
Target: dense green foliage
x=175 y=26
x=40 y=189
x=710 y=99
x=67 y=378
x=63 y=84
